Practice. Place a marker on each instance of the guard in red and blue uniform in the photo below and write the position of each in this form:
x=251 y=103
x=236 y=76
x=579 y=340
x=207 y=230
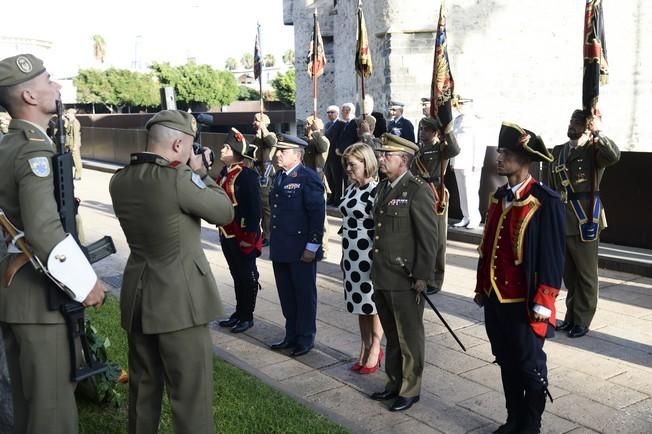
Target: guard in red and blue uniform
x=519 y=274
x=241 y=239
x=297 y=225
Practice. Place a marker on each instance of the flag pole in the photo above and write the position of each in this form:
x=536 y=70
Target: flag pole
x=314 y=67
x=260 y=75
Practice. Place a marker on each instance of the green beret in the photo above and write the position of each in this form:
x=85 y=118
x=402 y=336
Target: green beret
x=18 y=69
x=175 y=119
x=431 y=123
x=390 y=142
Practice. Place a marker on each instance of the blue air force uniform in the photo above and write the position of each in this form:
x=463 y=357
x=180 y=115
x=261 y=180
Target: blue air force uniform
x=297 y=224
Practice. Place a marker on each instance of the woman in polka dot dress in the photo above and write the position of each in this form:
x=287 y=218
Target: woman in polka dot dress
x=357 y=233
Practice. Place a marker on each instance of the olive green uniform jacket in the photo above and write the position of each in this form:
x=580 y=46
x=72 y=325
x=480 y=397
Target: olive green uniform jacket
x=160 y=208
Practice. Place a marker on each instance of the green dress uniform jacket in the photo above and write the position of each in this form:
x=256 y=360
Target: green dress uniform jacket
x=404 y=227
x=160 y=208
x=266 y=147
x=581 y=265
x=35 y=338
x=427 y=165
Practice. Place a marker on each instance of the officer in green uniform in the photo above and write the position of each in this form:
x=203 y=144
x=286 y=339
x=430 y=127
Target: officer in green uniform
x=314 y=157
x=73 y=140
x=404 y=241
x=427 y=164
x=168 y=293
x=576 y=173
x=265 y=141
x=35 y=338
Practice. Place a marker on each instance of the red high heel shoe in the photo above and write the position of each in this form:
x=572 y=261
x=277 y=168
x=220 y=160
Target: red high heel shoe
x=364 y=370
x=356 y=366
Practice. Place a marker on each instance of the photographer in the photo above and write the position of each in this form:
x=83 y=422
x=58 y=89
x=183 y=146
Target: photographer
x=169 y=294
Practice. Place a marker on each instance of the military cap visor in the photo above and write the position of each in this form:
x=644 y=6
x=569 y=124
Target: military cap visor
x=431 y=123
x=176 y=120
x=19 y=69
x=390 y=142
x=524 y=142
x=286 y=141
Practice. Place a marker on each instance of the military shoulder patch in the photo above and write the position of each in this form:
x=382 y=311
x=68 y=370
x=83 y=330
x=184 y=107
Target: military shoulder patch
x=40 y=166
x=196 y=179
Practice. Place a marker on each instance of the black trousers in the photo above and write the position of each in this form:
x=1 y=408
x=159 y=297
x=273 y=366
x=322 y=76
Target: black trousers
x=519 y=352
x=297 y=291
x=335 y=177
x=245 y=277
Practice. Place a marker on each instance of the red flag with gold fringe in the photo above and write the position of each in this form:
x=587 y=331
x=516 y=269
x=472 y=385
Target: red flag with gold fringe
x=596 y=68
x=316 y=55
x=443 y=86
x=363 y=64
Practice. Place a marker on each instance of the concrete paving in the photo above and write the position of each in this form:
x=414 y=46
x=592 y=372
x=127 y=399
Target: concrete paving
x=601 y=382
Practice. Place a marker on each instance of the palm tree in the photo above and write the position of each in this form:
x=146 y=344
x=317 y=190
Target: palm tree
x=288 y=57
x=269 y=60
x=99 y=46
x=231 y=64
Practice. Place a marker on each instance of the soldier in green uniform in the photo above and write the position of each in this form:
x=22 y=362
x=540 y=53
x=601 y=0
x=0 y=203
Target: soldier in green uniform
x=405 y=233
x=35 y=338
x=314 y=157
x=427 y=164
x=73 y=140
x=169 y=294
x=263 y=163
x=576 y=173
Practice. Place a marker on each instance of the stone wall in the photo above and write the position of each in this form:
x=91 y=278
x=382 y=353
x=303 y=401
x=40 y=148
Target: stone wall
x=520 y=61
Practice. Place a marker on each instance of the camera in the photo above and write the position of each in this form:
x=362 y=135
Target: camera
x=198 y=149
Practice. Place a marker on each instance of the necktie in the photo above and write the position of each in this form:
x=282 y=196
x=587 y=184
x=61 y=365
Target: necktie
x=281 y=178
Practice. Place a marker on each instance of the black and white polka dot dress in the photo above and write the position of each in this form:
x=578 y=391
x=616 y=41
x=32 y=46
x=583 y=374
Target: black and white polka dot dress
x=357 y=240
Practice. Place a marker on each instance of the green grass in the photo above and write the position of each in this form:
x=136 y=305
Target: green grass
x=241 y=403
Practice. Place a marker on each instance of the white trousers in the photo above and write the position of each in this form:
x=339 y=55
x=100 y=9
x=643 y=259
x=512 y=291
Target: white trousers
x=468 y=186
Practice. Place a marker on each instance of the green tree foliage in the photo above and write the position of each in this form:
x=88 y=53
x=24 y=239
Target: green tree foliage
x=99 y=48
x=288 y=57
x=285 y=86
x=245 y=93
x=247 y=60
x=198 y=83
x=231 y=64
x=269 y=60
x=117 y=88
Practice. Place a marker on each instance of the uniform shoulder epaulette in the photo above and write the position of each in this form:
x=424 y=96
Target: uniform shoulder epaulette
x=417 y=180
x=35 y=135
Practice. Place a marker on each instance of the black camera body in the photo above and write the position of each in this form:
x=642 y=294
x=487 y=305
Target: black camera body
x=198 y=149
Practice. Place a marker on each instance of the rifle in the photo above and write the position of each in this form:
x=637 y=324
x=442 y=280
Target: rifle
x=68 y=205
x=400 y=262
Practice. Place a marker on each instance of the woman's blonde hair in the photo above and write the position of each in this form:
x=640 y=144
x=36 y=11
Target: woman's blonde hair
x=362 y=152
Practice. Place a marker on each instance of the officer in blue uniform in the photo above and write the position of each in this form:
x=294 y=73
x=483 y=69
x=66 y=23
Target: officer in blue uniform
x=298 y=209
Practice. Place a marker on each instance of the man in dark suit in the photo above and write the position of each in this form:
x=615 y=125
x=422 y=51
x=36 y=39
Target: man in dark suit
x=298 y=211
x=398 y=125
x=341 y=135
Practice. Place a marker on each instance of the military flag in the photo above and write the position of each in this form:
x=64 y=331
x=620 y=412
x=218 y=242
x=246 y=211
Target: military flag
x=363 y=64
x=443 y=86
x=596 y=69
x=258 y=57
x=316 y=56
x=316 y=61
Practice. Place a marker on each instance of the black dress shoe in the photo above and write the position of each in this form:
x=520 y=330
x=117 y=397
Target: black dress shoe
x=228 y=322
x=563 y=326
x=402 y=403
x=577 y=331
x=242 y=326
x=509 y=427
x=383 y=396
x=283 y=345
x=300 y=350
x=432 y=290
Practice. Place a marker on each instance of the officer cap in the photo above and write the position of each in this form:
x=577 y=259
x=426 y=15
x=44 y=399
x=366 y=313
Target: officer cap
x=431 y=123
x=390 y=142
x=286 y=141
x=18 y=69
x=396 y=104
x=175 y=119
x=310 y=120
x=523 y=141
x=263 y=116
x=238 y=143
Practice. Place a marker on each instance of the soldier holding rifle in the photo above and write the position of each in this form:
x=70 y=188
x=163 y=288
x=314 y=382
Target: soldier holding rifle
x=35 y=337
